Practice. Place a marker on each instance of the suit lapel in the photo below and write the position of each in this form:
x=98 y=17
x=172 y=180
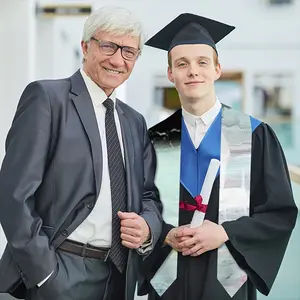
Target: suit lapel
x=84 y=106
x=128 y=151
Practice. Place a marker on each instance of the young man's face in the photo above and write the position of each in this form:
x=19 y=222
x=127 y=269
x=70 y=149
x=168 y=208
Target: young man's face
x=193 y=70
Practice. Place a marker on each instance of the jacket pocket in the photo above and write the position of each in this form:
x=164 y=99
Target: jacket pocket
x=10 y=276
x=50 y=279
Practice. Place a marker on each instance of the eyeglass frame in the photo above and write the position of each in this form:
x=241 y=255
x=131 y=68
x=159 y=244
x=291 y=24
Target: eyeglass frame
x=117 y=48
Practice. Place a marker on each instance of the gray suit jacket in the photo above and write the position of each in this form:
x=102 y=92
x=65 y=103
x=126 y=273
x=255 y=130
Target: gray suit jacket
x=51 y=176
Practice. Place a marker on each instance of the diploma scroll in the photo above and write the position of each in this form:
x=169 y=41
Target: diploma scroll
x=208 y=183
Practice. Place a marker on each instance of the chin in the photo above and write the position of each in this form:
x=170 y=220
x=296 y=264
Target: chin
x=113 y=82
x=196 y=96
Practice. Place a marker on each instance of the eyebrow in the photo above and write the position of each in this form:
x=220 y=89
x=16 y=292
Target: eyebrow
x=185 y=59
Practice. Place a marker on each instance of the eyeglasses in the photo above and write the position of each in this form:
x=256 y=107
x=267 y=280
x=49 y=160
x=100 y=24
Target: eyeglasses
x=110 y=48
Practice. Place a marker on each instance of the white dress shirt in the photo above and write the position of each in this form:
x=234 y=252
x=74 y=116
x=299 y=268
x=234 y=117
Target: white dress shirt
x=198 y=125
x=96 y=228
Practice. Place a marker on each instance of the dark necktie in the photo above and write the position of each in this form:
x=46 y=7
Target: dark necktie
x=118 y=252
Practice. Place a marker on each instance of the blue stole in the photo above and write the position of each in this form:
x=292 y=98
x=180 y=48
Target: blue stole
x=194 y=162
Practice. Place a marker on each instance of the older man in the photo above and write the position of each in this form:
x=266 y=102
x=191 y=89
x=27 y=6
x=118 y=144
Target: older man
x=78 y=203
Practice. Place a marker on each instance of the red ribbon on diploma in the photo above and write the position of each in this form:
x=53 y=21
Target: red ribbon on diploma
x=190 y=207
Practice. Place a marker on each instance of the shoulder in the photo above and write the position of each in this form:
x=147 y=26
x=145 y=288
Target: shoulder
x=262 y=132
x=56 y=86
x=172 y=122
x=136 y=119
x=263 y=135
x=131 y=112
x=169 y=129
x=127 y=108
x=54 y=91
x=239 y=117
x=50 y=87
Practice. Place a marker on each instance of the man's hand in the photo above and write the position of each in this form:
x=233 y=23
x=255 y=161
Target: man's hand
x=134 y=230
x=175 y=238
x=206 y=237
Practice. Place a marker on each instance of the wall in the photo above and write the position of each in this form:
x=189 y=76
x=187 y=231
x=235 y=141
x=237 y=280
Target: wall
x=58 y=40
x=17 y=53
x=265 y=40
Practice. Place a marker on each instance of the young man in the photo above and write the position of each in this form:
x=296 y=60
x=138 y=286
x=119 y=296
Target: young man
x=247 y=204
x=78 y=201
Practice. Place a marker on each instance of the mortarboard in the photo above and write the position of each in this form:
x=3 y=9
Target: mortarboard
x=190 y=29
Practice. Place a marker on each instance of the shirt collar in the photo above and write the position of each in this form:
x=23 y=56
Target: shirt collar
x=207 y=118
x=98 y=96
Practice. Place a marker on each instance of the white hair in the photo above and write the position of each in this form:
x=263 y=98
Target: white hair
x=115 y=21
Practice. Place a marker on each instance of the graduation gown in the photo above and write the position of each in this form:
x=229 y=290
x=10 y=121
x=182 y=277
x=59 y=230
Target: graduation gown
x=257 y=243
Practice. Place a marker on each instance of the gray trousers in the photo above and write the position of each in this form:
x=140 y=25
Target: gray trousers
x=81 y=278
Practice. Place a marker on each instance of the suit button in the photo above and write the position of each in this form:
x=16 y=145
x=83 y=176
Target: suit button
x=65 y=232
x=90 y=205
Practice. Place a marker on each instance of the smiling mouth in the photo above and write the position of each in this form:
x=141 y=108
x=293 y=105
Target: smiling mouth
x=113 y=71
x=194 y=82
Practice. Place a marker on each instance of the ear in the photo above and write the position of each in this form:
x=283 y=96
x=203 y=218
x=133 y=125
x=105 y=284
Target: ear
x=218 y=72
x=84 y=48
x=170 y=75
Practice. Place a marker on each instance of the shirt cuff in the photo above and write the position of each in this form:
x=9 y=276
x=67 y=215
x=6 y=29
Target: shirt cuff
x=42 y=282
x=146 y=247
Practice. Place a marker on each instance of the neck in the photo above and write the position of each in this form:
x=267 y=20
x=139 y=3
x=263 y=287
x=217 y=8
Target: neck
x=200 y=106
x=107 y=91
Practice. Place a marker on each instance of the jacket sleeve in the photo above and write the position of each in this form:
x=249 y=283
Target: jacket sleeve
x=21 y=174
x=152 y=206
x=150 y=266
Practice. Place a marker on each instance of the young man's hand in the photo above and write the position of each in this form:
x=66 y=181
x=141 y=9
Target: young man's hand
x=206 y=237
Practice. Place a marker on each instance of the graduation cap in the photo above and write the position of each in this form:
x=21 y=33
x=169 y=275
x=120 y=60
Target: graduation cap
x=190 y=29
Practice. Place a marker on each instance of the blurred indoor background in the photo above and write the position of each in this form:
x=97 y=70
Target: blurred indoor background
x=260 y=62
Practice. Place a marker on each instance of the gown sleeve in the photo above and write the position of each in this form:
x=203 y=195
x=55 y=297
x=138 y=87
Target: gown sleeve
x=258 y=242
x=153 y=262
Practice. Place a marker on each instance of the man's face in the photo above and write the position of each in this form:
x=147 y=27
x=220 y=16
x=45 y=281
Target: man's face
x=194 y=71
x=108 y=71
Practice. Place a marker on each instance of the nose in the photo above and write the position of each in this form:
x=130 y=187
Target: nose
x=193 y=70
x=117 y=60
